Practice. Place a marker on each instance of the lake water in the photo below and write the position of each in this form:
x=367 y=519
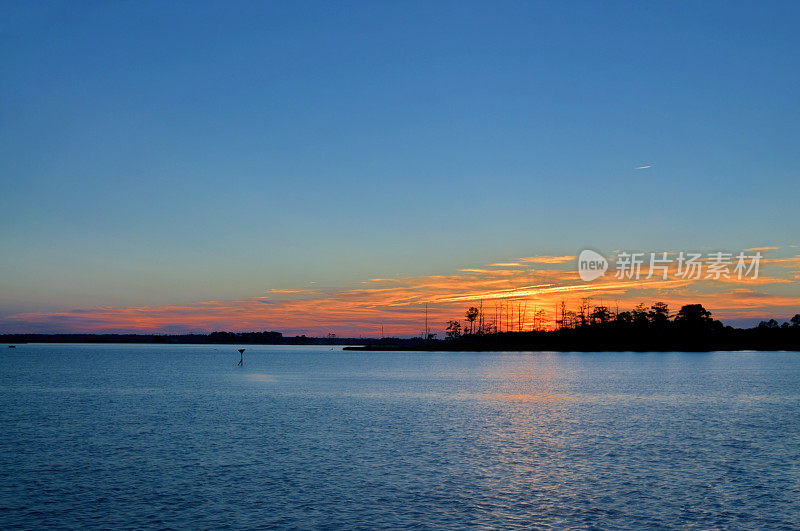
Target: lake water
x=179 y=436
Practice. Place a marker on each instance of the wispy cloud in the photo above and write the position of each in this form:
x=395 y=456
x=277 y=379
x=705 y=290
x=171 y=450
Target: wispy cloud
x=753 y=249
x=292 y=291
x=398 y=303
x=547 y=259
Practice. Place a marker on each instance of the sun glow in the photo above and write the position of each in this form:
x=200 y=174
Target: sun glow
x=532 y=292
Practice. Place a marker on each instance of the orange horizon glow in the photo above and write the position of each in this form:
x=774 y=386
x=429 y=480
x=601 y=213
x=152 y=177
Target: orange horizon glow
x=532 y=284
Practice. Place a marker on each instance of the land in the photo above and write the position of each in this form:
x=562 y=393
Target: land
x=597 y=329
x=574 y=339
x=604 y=340
x=226 y=338
x=652 y=328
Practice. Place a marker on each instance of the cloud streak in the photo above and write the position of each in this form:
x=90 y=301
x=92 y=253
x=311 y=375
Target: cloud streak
x=539 y=282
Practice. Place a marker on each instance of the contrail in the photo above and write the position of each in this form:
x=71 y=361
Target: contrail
x=644 y=167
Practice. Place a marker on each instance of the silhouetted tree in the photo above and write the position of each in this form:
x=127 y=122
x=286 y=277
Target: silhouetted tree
x=583 y=312
x=659 y=314
x=641 y=315
x=693 y=315
x=471 y=315
x=795 y=321
x=624 y=318
x=601 y=314
x=453 y=330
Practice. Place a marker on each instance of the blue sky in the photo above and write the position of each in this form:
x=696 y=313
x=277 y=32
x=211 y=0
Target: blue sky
x=160 y=153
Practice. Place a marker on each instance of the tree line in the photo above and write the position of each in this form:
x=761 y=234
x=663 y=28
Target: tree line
x=599 y=327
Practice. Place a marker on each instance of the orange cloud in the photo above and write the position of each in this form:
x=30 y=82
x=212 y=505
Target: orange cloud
x=547 y=259
x=292 y=291
x=752 y=249
x=506 y=264
x=398 y=303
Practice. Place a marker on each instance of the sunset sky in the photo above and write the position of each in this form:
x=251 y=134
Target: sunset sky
x=330 y=167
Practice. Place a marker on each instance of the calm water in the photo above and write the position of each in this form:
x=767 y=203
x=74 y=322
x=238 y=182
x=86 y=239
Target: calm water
x=179 y=436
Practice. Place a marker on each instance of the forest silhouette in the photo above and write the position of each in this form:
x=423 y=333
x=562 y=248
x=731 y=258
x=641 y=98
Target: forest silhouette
x=511 y=327
x=599 y=328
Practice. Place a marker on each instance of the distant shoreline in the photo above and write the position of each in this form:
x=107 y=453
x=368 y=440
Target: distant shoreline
x=692 y=329
x=444 y=348
x=611 y=338
x=214 y=338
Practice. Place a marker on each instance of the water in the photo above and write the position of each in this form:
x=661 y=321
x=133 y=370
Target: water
x=179 y=436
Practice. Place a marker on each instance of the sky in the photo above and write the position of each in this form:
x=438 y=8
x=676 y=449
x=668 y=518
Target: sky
x=255 y=165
